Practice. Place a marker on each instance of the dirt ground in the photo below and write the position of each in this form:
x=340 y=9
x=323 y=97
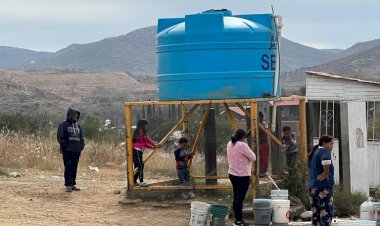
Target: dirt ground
x=38 y=198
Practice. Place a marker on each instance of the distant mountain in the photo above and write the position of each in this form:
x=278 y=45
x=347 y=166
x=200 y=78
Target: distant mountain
x=11 y=57
x=358 y=47
x=133 y=53
x=332 y=50
x=294 y=55
x=360 y=61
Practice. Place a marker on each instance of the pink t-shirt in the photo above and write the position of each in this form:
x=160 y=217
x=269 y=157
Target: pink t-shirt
x=240 y=158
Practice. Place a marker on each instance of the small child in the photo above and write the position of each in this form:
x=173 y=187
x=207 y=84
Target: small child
x=141 y=141
x=182 y=158
x=290 y=146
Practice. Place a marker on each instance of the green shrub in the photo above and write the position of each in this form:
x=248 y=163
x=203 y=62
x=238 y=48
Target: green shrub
x=294 y=179
x=347 y=203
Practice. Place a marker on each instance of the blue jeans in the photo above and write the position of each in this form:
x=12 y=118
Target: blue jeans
x=183 y=176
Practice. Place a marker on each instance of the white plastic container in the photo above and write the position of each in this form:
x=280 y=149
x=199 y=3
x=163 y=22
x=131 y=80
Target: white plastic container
x=376 y=212
x=199 y=213
x=279 y=194
x=366 y=210
x=280 y=211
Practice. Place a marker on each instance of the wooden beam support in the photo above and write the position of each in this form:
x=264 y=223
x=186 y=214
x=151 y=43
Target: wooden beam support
x=191 y=102
x=185 y=124
x=171 y=131
x=209 y=177
x=129 y=145
x=231 y=117
x=164 y=182
x=200 y=130
x=164 y=187
x=254 y=142
x=261 y=126
x=303 y=133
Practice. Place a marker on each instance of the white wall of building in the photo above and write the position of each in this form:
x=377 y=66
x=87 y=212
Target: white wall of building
x=354 y=146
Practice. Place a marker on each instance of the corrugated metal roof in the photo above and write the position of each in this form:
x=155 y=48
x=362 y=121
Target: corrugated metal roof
x=341 y=77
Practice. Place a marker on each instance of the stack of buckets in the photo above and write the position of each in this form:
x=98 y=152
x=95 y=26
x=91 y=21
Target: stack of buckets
x=199 y=213
x=280 y=206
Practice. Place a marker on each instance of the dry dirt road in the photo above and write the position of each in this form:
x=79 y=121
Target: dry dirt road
x=38 y=198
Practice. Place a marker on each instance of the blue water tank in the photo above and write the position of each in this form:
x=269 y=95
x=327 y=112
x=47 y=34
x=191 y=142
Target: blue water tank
x=216 y=55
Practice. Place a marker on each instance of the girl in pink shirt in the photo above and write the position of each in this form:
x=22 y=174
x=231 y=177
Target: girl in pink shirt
x=141 y=141
x=239 y=157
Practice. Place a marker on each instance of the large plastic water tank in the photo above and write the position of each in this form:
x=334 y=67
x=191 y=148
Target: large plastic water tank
x=216 y=55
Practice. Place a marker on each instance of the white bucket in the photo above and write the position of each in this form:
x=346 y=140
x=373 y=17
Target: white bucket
x=199 y=213
x=280 y=211
x=279 y=194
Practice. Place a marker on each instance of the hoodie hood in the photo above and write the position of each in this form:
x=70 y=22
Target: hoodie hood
x=70 y=113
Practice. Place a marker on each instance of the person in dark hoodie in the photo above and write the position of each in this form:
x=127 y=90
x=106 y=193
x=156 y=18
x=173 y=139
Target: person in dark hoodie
x=70 y=139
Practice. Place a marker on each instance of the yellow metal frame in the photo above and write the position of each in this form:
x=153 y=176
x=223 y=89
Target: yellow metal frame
x=255 y=126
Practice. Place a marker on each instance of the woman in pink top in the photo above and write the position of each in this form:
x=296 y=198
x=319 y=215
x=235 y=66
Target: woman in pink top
x=239 y=157
x=141 y=141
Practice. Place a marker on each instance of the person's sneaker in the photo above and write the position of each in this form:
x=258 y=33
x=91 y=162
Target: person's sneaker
x=143 y=184
x=136 y=184
x=183 y=195
x=68 y=189
x=191 y=195
x=240 y=223
x=75 y=188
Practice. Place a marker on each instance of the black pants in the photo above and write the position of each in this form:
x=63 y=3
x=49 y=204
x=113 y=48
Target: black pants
x=138 y=161
x=240 y=186
x=70 y=160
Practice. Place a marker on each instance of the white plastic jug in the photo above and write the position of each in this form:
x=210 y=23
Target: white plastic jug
x=366 y=210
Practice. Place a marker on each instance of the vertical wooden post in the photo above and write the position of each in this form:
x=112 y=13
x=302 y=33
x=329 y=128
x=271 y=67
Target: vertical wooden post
x=303 y=134
x=129 y=145
x=185 y=124
x=254 y=139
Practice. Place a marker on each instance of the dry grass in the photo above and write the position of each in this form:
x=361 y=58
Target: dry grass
x=22 y=151
x=42 y=152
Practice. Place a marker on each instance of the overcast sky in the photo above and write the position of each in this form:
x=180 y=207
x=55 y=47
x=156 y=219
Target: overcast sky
x=50 y=25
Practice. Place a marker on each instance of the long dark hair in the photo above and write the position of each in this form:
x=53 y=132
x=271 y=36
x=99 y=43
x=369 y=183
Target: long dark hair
x=140 y=126
x=322 y=140
x=239 y=134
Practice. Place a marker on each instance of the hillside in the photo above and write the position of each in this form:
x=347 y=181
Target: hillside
x=11 y=57
x=104 y=93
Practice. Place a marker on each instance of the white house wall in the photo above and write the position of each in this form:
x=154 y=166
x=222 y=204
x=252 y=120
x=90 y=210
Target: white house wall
x=374 y=163
x=324 y=88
